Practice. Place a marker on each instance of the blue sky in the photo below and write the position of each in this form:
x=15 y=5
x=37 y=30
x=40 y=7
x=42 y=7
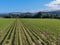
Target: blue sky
x=24 y=5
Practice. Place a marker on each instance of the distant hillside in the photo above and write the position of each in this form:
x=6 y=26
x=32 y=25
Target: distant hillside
x=53 y=12
x=50 y=14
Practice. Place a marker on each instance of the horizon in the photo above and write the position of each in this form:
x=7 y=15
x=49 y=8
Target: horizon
x=7 y=6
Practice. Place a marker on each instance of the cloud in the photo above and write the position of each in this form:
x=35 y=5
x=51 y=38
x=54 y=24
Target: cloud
x=53 y=5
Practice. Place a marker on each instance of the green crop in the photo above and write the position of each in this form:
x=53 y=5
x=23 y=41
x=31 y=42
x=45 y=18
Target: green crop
x=29 y=31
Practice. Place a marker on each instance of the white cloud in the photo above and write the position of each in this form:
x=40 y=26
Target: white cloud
x=54 y=5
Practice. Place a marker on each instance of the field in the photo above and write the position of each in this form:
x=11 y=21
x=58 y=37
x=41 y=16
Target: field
x=29 y=31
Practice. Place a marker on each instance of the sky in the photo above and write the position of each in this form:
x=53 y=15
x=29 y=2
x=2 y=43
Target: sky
x=7 y=6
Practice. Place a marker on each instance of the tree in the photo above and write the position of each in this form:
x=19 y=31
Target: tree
x=38 y=15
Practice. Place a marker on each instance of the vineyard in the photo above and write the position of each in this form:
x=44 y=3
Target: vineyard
x=29 y=31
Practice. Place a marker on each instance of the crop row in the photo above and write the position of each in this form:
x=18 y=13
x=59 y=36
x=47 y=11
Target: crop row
x=42 y=35
x=22 y=32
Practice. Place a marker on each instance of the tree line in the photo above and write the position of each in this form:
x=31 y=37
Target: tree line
x=31 y=15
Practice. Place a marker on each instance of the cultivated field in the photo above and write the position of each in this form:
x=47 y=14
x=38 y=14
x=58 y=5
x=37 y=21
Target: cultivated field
x=29 y=31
